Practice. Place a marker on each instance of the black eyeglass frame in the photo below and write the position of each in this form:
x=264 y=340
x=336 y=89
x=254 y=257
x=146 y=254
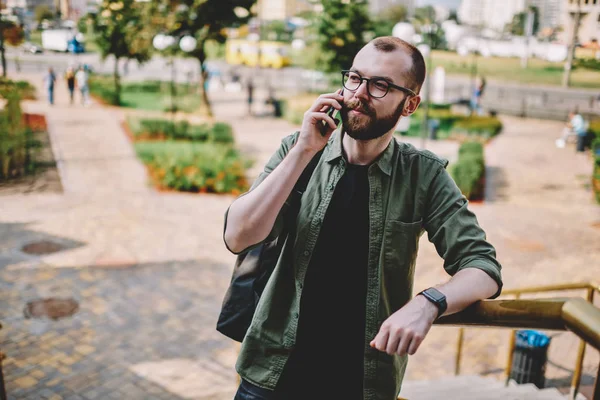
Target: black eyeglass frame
x=368 y=80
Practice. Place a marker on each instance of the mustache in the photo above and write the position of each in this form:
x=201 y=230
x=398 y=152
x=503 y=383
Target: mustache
x=356 y=104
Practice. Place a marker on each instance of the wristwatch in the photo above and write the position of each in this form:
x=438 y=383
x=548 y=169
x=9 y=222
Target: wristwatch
x=436 y=297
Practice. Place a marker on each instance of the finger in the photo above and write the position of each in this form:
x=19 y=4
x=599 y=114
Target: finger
x=393 y=342
x=317 y=117
x=380 y=341
x=404 y=343
x=324 y=103
x=414 y=344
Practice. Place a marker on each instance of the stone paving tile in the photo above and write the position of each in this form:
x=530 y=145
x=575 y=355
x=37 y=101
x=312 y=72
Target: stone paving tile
x=137 y=322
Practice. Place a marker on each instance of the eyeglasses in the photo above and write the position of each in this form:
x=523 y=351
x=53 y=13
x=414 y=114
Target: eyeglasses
x=376 y=87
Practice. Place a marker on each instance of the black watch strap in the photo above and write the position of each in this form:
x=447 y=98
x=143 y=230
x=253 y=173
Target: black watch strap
x=436 y=297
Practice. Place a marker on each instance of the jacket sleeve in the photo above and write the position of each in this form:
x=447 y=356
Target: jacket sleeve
x=286 y=144
x=455 y=232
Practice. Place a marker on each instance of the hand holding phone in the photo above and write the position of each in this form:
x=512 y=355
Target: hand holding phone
x=333 y=113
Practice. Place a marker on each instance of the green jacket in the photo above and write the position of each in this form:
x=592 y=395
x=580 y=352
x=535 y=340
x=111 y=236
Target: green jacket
x=410 y=191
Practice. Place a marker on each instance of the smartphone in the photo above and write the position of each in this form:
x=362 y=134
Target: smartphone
x=333 y=113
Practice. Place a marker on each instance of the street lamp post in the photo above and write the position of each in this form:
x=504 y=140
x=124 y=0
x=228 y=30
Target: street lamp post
x=163 y=42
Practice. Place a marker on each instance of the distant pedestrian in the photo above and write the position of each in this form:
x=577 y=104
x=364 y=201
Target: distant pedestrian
x=49 y=81
x=477 y=96
x=70 y=77
x=250 y=88
x=82 y=78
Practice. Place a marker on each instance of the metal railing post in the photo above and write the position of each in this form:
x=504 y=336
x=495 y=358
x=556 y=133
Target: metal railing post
x=576 y=381
x=511 y=350
x=459 y=345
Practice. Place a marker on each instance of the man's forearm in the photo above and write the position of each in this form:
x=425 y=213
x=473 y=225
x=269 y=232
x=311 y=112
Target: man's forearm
x=251 y=217
x=466 y=287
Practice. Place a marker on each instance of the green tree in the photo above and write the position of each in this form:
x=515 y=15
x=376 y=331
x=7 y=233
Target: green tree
x=342 y=27
x=276 y=30
x=384 y=22
x=12 y=34
x=431 y=30
x=204 y=20
x=42 y=12
x=519 y=21
x=121 y=32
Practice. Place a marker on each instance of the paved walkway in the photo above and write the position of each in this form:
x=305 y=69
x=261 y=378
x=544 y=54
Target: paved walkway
x=149 y=269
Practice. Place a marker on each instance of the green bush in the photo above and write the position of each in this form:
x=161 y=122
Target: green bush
x=596 y=171
x=103 y=87
x=194 y=167
x=161 y=129
x=145 y=86
x=222 y=133
x=16 y=141
x=24 y=89
x=594 y=128
x=485 y=127
x=469 y=171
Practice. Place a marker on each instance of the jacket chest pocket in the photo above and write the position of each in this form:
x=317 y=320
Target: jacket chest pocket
x=401 y=242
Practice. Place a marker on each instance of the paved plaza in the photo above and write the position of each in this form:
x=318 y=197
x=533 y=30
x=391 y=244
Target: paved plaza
x=148 y=269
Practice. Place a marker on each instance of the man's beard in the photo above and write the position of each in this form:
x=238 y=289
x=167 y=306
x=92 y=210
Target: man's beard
x=368 y=126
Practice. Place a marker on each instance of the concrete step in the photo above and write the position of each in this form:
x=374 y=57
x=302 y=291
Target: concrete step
x=476 y=388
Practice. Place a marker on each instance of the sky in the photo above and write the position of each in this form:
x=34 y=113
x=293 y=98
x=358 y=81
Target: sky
x=452 y=4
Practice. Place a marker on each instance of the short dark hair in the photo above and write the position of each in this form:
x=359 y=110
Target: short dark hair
x=417 y=72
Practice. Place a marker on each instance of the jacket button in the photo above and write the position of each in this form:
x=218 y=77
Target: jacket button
x=296 y=315
x=306 y=253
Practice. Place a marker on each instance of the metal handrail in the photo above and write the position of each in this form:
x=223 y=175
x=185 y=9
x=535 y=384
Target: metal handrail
x=573 y=314
x=553 y=288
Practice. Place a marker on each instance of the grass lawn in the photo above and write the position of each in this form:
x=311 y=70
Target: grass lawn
x=509 y=69
x=159 y=101
x=147 y=95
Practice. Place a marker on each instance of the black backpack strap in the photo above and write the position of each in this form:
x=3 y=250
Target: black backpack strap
x=302 y=183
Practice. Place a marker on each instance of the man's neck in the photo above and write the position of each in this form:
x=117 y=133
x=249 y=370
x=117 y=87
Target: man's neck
x=361 y=152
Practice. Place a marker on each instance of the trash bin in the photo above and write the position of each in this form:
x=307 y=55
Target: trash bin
x=529 y=358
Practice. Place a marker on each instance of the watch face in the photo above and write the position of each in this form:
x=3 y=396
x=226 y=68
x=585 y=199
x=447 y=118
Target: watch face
x=436 y=295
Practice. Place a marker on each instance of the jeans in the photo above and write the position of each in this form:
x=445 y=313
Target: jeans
x=248 y=391
x=51 y=96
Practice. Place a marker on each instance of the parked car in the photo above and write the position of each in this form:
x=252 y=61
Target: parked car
x=32 y=48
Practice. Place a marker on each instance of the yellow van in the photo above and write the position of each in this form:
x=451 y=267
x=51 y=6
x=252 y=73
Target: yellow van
x=268 y=54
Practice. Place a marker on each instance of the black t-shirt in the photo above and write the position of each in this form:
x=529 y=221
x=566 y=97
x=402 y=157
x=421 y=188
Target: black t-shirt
x=330 y=343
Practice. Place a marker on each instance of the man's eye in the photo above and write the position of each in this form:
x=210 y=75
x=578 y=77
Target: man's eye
x=354 y=78
x=380 y=85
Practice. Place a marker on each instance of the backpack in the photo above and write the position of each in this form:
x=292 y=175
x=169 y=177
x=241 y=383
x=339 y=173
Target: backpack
x=254 y=267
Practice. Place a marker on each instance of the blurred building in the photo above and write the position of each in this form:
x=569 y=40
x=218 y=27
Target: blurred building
x=377 y=6
x=492 y=14
x=550 y=12
x=589 y=26
x=279 y=10
x=73 y=9
x=28 y=5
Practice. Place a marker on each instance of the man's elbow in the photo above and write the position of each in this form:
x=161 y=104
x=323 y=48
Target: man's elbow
x=232 y=241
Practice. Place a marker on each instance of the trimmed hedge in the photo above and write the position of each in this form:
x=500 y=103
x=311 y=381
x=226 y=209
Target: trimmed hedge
x=484 y=127
x=161 y=129
x=194 y=167
x=469 y=171
x=16 y=139
x=24 y=89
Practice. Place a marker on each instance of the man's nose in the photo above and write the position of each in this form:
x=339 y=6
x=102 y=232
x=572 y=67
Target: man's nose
x=362 y=92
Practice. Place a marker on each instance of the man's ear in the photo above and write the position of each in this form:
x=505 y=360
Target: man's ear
x=411 y=105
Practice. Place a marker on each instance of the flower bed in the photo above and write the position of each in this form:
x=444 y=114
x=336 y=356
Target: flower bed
x=194 y=167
